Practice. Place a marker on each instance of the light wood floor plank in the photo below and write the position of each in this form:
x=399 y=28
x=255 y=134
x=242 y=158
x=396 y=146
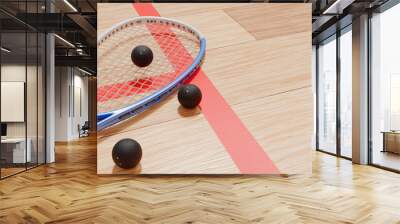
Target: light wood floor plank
x=69 y=191
x=263 y=22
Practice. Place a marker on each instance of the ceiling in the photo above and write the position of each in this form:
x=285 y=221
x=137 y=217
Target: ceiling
x=74 y=22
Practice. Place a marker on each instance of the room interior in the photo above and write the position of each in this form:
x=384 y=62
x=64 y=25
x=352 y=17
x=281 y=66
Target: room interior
x=31 y=100
x=334 y=95
x=22 y=101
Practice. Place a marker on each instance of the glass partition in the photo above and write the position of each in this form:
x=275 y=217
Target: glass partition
x=41 y=97
x=13 y=95
x=31 y=98
x=22 y=77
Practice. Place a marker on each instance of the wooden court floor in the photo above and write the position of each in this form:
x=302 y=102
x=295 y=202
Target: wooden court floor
x=69 y=191
x=258 y=57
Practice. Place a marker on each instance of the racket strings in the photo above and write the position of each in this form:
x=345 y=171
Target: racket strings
x=121 y=83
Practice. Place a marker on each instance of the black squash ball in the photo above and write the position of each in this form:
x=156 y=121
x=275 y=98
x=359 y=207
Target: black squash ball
x=142 y=56
x=189 y=96
x=127 y=153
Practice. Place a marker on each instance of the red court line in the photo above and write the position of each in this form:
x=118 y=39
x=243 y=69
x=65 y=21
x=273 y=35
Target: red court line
x=244 y=150
x=176 y=54
x=130 y=88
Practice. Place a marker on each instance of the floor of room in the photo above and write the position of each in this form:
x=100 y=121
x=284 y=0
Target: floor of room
x=10 y=171
x=14 y=169
x=386 y=159
x=70 y=191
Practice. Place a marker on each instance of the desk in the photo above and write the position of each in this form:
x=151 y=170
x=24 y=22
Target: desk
x=16 y=148
x=391 y=141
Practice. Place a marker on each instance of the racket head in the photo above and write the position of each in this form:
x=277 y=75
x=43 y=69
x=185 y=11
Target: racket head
x=125 y=89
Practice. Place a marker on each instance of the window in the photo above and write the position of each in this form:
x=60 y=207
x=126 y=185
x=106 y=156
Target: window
x=327 y=95
x=346 y=92
x=395 y=102
x=385 y=89
x=335 y=74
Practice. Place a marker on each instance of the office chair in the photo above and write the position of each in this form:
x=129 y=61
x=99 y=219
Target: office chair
x=84 y=130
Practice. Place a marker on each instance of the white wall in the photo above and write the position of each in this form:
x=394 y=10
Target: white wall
x=80 y=105
x=70 y=84
x=13 y=101
x=12 y=73
x=61 y=103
